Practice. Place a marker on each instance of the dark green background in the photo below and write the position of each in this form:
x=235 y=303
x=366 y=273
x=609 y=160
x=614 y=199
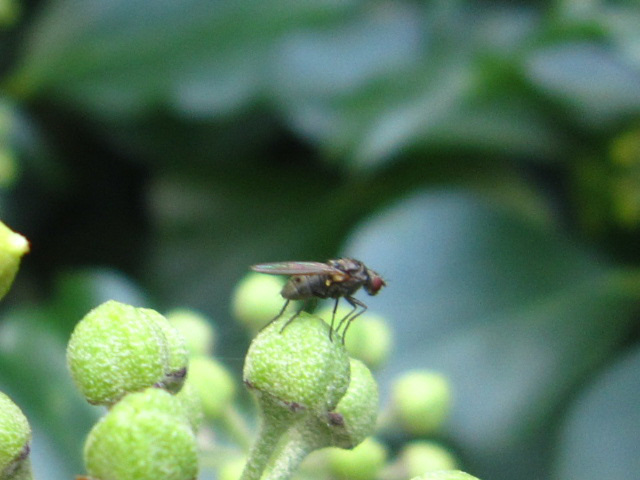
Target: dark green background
x=484 y=157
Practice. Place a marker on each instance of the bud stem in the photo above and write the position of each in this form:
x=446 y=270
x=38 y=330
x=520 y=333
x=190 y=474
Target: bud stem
x=291 y=455
x=275 y=421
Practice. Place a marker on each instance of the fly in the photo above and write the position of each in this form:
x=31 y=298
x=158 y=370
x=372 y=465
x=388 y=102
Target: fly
x=335 y=279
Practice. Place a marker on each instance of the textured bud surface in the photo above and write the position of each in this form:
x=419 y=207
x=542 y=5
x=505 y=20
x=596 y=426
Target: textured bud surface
x=114 y=350
x=145 y=436
x=299 y=366
x=357 y=409
x=15 y=433
x=177 y=360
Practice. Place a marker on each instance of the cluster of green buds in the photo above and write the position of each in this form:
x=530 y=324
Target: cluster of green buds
x=134 y=361
x=315 y=392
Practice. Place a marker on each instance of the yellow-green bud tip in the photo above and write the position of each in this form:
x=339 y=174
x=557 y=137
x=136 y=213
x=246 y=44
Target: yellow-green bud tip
x=421 y=401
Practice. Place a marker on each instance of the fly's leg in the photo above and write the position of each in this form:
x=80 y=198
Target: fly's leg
x=333 y=317
x=295 y=315
x=355 y=303
x=284 y=307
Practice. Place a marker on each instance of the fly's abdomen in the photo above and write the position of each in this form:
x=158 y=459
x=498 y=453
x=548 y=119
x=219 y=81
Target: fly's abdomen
x=298 y=288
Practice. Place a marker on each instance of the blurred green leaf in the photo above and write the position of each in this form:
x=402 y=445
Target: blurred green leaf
x=122 y=58
x=511 y=311
x=601 y=435
x=595 y=82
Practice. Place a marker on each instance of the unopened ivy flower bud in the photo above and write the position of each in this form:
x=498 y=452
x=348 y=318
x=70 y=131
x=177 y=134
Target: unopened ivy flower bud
x=15 y=436
x=355 y=416
x=197 y=331
x=177 y=360
x=213 y=383
x=445 y=475
x=362 y=463
x=421 y=401
x=114 y=350
x=420 y=457
x=145 y=436
x=298 y=366
x=257 y=299
x=12 y=247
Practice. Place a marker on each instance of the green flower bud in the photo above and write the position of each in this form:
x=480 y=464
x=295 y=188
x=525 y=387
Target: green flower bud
x=116 y=349
x=445 y=475
x=362 y=463
x=257 y=300
x=299 y=367
x=213 y=384
x=15 y=436
x=12 y=247
x=354 y=419
x=177 y=360
x=192 y=404
x=421 y=456
x=145 y=436
x=369 y=337
x=197 y=331
x=421 y=401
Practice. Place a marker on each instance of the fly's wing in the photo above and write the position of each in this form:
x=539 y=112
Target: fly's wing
x=295 y=268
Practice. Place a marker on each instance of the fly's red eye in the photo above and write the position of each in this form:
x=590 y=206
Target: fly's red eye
x=376 y=284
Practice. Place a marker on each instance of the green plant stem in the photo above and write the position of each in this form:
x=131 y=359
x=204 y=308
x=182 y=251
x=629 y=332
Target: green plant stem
x=290 y=456
x=275 y=421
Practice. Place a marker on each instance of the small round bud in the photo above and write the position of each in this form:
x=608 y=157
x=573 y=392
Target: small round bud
x=354 y=419
x=421 y=456
x=15 y=436
x=213 y=384
x=421 y=401
x=12 y=247
x=368 y=339
x=115 y=349
x=145 y=436
x=232 y=469
x=257 y=299
x=197 y=331
x=445 y=475
x=298 y=366
x=177 y=361
x=362 y=463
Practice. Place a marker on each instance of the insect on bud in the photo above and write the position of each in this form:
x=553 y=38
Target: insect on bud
x=300 y=367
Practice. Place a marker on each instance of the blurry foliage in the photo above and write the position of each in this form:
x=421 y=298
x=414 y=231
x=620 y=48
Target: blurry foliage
x=483 y=156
